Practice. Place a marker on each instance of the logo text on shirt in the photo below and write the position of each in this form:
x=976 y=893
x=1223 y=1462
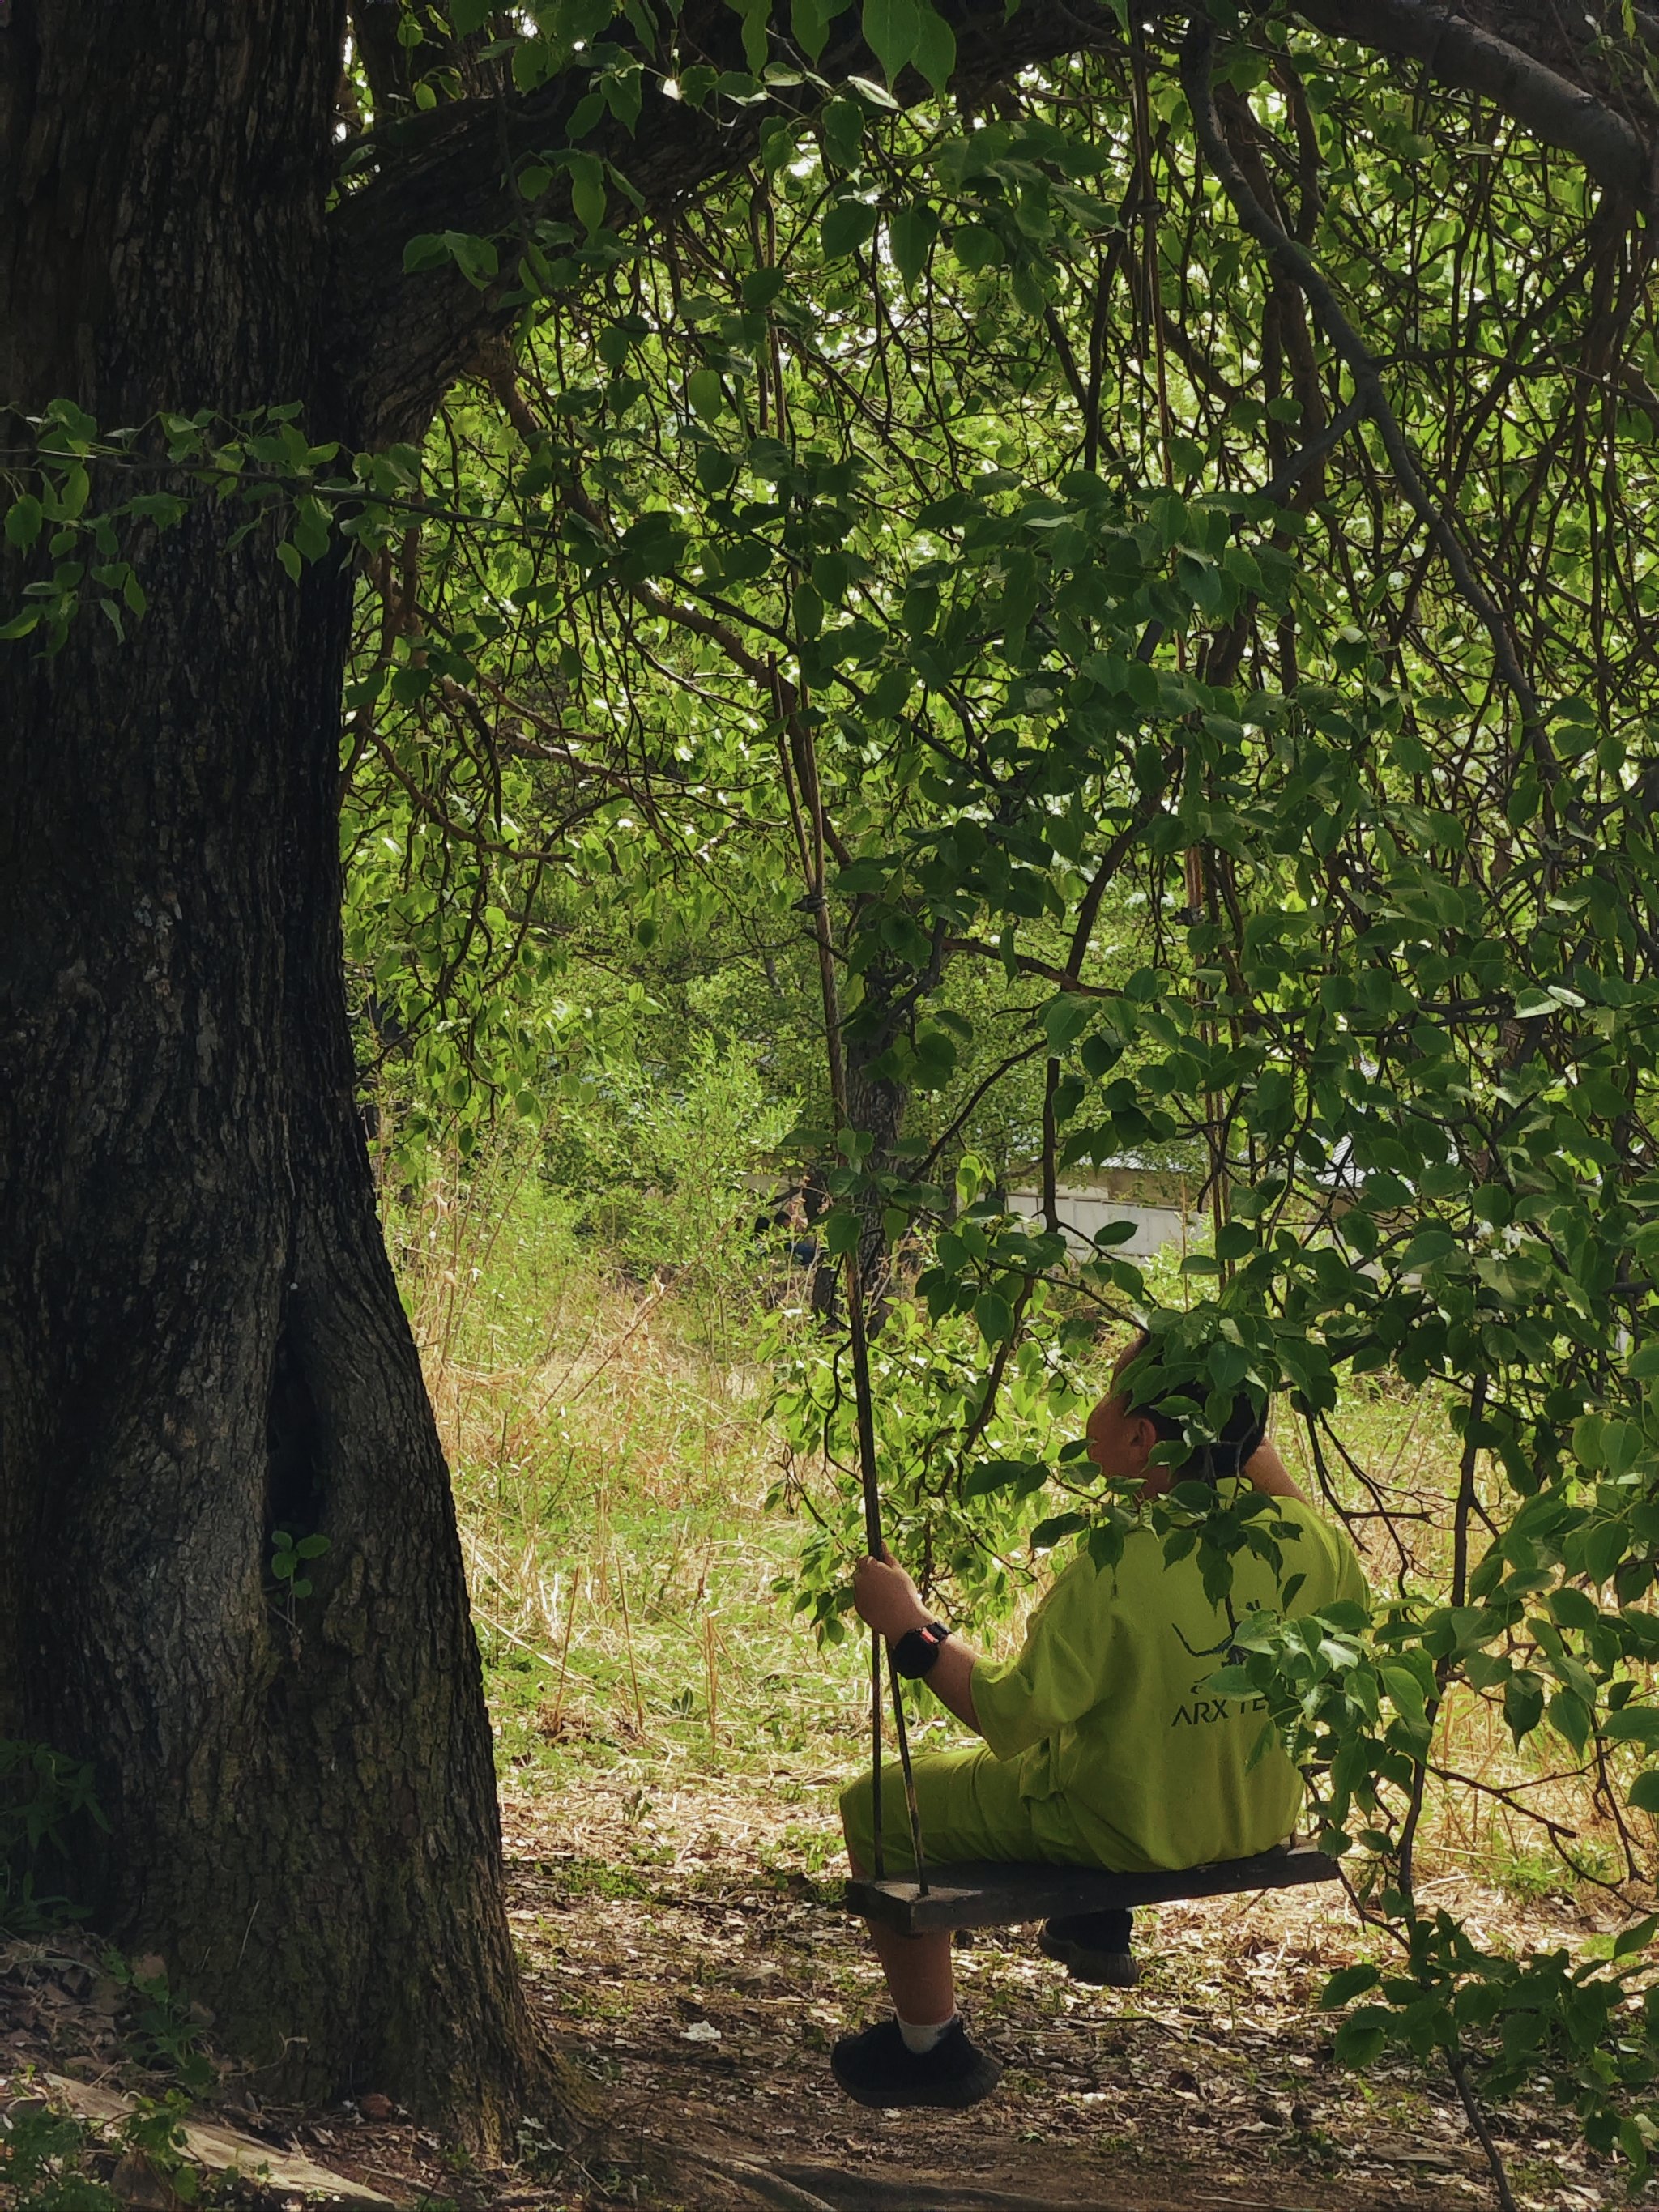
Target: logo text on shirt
x=1204 y=1711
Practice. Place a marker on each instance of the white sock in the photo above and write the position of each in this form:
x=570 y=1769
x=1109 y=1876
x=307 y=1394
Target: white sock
x=919 y=2041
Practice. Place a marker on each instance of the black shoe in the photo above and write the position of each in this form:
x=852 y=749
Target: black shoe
x=1092 y=1947
x=876 y=2069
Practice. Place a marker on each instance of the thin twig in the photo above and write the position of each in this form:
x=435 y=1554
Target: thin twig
x=564 y=1651
x=1457 y=2063
x=628 y=1640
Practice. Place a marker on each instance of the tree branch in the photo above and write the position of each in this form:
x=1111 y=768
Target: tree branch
x=401 y=340
x=1290 y=259
x=1459 y=53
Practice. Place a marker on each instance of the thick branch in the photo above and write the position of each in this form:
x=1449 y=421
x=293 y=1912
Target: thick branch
x=1459 y=53
x=400 y=341
x=403 y=340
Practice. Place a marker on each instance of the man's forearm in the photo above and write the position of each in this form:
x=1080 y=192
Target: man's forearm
x=890 y=1602
x=951 y=1679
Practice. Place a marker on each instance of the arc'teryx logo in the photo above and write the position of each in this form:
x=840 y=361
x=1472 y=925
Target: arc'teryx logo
x=1204 y=1711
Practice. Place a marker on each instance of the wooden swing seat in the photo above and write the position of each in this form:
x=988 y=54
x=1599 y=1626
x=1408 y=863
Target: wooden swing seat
x=994 y=1893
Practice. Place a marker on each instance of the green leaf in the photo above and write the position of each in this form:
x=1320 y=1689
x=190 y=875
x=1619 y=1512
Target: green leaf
x=23 y=520
x=841 y=1228
x=1644 y=1796
x=847 y=226
x=1064 y=1019
x=1430 y=1248
x=975 y=246
x=994 y=1316
x=1405 y=1690
x=586 y=190
x=808 y=609
x=892 y=28
x=876 y=94
x=425 y=250
x=715 y=469
x=475 y=257
x=934 y=50
x=534 y=58
x=1232 y=1682
x=912 y=231
x=703 y=389
x=993 y=1474
x=1345 y=1985
x=466 y=17
x=842 y=124
x=1571 y=1718
x=1572 y=1609
x=1363 y=2034
x=755 y=13
x=1056 y=1529
x=1523 y=1704
x=311 y=528
x=810 y=22
x=832 y=575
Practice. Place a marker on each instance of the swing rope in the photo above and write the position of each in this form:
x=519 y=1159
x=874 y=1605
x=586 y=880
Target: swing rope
x=797 y=757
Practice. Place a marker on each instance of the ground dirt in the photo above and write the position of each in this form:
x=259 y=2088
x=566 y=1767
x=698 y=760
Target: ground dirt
x=682 y=1955
x=674 y=1950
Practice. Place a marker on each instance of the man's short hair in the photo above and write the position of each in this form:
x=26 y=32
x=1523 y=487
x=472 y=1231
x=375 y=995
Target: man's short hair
x=1239 y=1438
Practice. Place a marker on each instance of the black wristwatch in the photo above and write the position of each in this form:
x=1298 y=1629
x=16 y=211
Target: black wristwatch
x=915 y=1653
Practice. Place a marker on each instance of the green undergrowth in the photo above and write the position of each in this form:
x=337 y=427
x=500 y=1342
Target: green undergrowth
x=49 y=2162
x=56 y=2161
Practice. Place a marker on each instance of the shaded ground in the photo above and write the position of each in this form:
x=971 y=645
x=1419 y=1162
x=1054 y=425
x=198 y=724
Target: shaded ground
x=680 y=1951
x=667 y=1731
x=677 y=1948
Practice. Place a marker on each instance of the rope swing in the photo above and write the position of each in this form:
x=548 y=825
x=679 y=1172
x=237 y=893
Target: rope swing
x=797 y=757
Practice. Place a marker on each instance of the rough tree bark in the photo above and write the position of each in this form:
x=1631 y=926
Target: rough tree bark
x=200 y=1338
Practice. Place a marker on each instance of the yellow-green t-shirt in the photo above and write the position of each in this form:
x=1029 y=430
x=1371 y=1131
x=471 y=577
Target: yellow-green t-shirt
x=1106 y=1707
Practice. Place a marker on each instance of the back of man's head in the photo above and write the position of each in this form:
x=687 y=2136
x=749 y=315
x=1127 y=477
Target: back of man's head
x=1173 y=1405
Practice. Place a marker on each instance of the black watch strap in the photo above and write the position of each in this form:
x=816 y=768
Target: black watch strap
x=917 y=1649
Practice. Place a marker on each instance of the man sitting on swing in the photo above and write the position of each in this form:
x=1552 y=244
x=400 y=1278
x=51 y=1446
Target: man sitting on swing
x=1102 y=1747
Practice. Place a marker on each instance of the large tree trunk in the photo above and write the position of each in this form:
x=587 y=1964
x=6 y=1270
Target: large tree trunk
x=200 y=1338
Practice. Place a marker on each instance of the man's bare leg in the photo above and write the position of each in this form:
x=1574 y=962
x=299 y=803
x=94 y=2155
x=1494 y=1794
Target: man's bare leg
x=923 y=2056
x=920 y=1980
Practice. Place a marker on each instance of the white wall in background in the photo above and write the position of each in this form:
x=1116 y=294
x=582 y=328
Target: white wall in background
x=1085 y=1213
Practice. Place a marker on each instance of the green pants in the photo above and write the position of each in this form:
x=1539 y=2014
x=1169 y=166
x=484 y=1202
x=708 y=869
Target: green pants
x=971 y=1808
